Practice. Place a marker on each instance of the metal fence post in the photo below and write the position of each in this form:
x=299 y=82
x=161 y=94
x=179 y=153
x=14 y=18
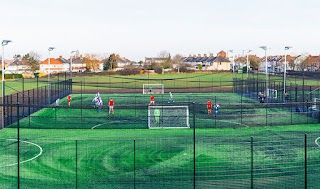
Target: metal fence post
x=76 y=163
x=29 y=111
x=81 y=105
x=267 y=113
x=215 y=115
x=194 y=145
x=241 y=114
x=252 y=162
x=55 y=116
x=32 y=100
x=11 y=103
x=22 y=97
x=134 y=163
x=305 y=162
x=18 y=136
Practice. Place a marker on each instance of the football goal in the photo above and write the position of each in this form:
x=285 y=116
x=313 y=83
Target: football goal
x=315 y=104
x=153 y=89
x=272 y=93
x=168 y=117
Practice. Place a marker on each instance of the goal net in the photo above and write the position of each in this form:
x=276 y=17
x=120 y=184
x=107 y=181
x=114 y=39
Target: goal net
x=272 y=93
x=153 y=89
x=168 y=117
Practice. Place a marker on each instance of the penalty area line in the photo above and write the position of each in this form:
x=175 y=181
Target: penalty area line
x=40 y=153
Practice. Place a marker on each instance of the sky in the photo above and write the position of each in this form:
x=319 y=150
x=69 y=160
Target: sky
x=143 y=28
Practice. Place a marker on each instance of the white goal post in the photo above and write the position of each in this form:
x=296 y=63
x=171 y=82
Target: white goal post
x=168 y=117
x=153 y=89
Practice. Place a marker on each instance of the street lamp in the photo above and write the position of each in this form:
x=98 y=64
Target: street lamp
x=248 y=62
x=49 y=50
x=4 y=43
x=265 y=50
x=231 y=51
x=285 y=68
x=70 y=68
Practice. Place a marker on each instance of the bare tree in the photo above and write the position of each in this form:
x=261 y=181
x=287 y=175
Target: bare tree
x=177 y=61
x=32 y=59
x=166 y=61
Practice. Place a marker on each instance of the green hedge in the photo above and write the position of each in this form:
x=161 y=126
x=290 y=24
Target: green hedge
x=11 y=76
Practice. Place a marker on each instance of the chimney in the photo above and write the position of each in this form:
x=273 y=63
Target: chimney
x=205 y=55
x=211 y=54
x=60 y=56
x=190 y=55
x=199 y=55
x=194 y=55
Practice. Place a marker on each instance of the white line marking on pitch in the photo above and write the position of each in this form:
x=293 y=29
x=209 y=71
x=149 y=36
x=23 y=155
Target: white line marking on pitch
x=233 y=123
x=104 y=124
x=98 y=125
x=27 y=159
x=316 y=141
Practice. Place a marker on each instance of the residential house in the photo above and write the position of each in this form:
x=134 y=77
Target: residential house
x=78 y=65
x=149 y=60
x=122 y=62
x=56 y=65
x=65 y=62
x=311 y=63
x=298 y=62
x=17 y=66
x=209 y=62
x=276 y=63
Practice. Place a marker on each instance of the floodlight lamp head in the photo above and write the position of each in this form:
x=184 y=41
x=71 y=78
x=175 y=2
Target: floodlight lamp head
x=51 y=48
x=230 y=51
x=263 y=47
x=5 y=42
x=287 y=48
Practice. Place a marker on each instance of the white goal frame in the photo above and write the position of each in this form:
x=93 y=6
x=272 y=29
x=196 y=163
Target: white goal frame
x=272 y=93
x=159 y=90
x=187 y=126
x=315 y=104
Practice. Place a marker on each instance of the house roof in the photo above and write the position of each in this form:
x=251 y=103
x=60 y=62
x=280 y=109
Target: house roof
x=312 y=60
x=154 y=59
x=77 y=60
x=52 y=61
x=18 y=62
x=63 y=60
x=220 y=59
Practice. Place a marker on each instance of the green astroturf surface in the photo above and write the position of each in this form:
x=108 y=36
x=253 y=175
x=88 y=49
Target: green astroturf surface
x=131 y=112
x=163 y=158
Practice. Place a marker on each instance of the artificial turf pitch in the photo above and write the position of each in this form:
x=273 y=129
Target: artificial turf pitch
x=57 y=150
x=118 y=158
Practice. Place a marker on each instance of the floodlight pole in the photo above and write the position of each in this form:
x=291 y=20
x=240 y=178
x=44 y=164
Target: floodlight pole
x=49 y=50
x=266 y=67
x=4 y=43
x=231 y=51
x=285 y=68
x=70 y=68
x=248 y=63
